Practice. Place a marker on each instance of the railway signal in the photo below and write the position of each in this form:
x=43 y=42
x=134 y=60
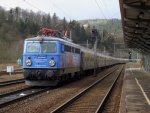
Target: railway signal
x=94 y=34
x=130 y=54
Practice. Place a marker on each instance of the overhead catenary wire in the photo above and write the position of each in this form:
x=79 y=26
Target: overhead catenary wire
x=102 y=4
x=62 y=10
x=116 y=11
x=105 y=4
x=100 y=9
x=54 y=5
x=31 y=5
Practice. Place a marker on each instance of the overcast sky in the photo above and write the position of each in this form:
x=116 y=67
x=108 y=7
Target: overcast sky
x=70 y=9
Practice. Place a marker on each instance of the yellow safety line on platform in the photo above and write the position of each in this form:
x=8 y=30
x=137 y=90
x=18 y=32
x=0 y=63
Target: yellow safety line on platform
x=146 y=97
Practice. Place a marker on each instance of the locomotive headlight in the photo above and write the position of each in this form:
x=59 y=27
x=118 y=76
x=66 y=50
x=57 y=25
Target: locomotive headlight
x=52 y=63
x=28 y=62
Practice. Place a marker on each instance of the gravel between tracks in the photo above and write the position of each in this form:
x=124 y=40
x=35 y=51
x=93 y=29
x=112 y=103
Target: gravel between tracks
x=47 y=101
x=6 y=77
x=12 y=87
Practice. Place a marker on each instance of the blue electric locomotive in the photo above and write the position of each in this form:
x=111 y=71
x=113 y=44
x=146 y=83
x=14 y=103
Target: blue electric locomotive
x=48 y=60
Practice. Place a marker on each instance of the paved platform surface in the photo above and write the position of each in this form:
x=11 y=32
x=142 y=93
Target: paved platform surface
x=136 y=91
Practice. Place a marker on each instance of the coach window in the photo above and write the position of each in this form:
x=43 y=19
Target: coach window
x=77 y=50
x=67 y=48
x=73 y=49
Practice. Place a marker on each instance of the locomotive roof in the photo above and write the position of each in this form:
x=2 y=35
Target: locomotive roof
x=50 y=38
x=44 y=38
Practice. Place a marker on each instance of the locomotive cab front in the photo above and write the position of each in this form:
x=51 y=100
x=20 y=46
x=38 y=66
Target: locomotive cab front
x=40 y=60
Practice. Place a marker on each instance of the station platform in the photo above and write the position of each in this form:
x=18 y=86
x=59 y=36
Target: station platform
x=135 y=96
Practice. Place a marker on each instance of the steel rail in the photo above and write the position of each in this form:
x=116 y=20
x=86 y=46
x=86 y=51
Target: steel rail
x=15 y=96
x=16 y=71
x=11 y=82
x=70 y=101
x=102 y=104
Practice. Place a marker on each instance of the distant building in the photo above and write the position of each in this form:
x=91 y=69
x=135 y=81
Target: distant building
x=85 y=26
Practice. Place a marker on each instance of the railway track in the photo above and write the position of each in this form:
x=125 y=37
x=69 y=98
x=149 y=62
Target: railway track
x=93 y=98
x=11 y=82
x=16 y=71
x=15 y=96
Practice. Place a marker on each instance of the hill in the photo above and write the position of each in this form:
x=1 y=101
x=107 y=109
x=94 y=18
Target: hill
x=110 y=32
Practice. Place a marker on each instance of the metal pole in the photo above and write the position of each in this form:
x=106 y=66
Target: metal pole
x=95 y=56
x=137 y=55
x=87 y=44
x=104 y=52
x=70 y=35
x=114 y=48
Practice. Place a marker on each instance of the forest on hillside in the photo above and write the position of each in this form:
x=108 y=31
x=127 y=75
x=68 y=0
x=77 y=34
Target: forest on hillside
x=17 y=24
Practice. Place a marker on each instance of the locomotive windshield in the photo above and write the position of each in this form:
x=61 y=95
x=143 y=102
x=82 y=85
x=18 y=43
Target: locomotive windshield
x=48 y=47
x=33 y=47
x=44 y=47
